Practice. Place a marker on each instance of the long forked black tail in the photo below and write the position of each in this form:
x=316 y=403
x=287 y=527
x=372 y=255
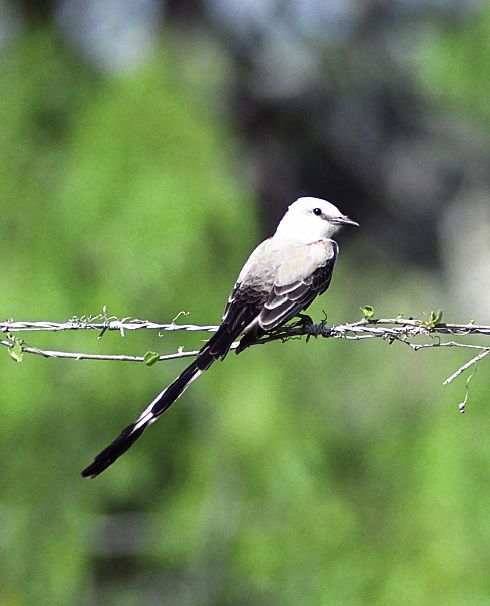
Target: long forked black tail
x=217 y=347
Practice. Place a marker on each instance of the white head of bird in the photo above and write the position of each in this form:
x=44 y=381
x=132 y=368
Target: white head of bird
x=310 y=219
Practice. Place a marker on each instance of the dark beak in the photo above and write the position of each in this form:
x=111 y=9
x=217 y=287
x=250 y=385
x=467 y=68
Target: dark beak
x=345 y=221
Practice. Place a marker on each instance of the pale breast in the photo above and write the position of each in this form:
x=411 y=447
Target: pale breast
x=304 y=261
x=283 y=263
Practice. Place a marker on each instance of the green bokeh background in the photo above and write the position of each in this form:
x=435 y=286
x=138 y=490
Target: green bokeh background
x=319 y=473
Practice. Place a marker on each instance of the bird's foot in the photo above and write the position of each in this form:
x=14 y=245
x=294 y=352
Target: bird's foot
x=305 y=321
x=308 y=326
x=314 y=330
x=319 y=330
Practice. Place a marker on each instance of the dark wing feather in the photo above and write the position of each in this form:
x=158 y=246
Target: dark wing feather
x=243 y=306
x=231 y=298
x=286 y=301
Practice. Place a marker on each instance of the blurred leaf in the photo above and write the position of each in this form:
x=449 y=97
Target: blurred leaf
x=367 y=312
x=16 y=352
x=436 y=316
x=151 y=357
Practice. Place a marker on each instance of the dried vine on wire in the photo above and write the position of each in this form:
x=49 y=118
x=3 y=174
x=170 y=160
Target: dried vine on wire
x=415 y=333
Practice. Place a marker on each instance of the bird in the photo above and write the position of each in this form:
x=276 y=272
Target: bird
x=278 y=282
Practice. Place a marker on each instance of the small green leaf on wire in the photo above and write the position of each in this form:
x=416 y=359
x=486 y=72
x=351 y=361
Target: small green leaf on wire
x=367 y=312
x=436 y=317
x=16 y=352
x=151 y=357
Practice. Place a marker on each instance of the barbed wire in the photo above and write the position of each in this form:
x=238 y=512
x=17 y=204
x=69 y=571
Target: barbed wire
x=409 y=331
x=371 y=326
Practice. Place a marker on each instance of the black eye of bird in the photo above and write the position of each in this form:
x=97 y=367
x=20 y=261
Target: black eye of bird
x=317 y=211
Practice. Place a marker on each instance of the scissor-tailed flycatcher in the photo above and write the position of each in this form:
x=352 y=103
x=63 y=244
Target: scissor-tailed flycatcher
x=280 y=279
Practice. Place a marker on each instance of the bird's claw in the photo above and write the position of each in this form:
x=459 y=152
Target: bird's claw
x=314 y=330
x=305 y=321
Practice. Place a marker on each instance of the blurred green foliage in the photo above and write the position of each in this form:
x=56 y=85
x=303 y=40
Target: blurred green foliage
x=319 y=473
x=454 y=66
